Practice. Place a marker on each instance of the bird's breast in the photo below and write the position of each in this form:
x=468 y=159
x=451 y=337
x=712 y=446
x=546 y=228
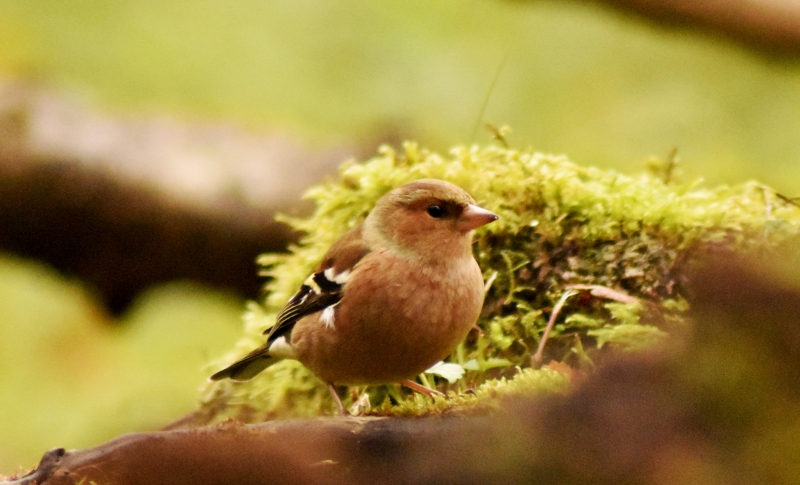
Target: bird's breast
x=396 y=318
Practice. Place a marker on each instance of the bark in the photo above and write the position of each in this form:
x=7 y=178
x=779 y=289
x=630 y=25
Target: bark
x=770 y=27
x=124 y=203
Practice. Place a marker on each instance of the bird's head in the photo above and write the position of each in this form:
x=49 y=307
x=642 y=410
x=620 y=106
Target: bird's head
x=430 y=219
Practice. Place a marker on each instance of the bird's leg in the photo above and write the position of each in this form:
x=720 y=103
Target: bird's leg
x=339 y=405
x=415 y=386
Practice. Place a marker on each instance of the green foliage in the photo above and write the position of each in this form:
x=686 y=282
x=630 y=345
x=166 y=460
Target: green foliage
x=560 y=225
x=71 y=378
x=485 y=397
x=571 y=75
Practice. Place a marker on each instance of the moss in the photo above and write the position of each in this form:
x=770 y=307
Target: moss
x=483 y=398
x=560 y=224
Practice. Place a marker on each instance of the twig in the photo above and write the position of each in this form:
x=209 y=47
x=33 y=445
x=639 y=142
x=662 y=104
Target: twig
x=537 y=357
x=499 y=133
x=672 y=161
x=795 y=201
x=489 y=94
x=489 y=283
x=605 y=292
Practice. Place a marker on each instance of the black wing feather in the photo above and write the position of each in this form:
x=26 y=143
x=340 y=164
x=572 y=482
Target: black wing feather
x=318 y=293
x=321 y=292
x=305 y=302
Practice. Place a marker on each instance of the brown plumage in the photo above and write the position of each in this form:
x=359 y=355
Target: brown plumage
x=391 y=298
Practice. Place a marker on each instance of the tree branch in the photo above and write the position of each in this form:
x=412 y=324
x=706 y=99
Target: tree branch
x=769 y=26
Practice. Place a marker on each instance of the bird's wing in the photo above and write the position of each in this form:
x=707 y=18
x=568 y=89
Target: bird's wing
x=324 y=287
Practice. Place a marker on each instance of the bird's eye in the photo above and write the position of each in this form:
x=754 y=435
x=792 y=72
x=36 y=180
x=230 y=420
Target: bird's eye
x=436 y=211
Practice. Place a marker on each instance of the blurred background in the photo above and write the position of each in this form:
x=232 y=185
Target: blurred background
x=146 y=146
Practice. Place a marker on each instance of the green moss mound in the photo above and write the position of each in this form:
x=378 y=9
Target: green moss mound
x=560 y=225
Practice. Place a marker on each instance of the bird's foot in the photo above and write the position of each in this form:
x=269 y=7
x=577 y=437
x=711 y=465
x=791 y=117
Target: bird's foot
x=338 y=400
x=417 y=387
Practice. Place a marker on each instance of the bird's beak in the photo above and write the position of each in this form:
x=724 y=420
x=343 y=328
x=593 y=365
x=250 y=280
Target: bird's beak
x=474 y=217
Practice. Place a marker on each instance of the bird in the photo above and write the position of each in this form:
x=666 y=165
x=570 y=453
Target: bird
x=390 y=298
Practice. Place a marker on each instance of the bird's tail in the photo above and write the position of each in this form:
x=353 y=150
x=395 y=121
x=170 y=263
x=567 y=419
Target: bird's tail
x=248 y=367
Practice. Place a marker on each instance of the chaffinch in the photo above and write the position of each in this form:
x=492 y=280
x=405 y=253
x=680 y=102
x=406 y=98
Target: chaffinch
x=391 y=298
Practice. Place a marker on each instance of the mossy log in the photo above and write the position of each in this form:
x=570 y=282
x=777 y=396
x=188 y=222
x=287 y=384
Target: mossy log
x=593 y=258
x=719 y=405
x=713 y=400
